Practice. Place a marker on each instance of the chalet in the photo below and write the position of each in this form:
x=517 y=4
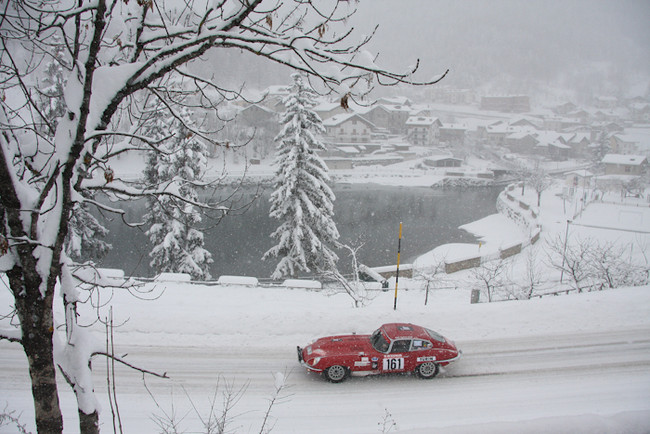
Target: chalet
x=579 y=143
x=348 y=128
x=552 y=145
x=395 y=100
x=256 y=115
x=607 y=127
x=273 y=97
x=523 y=142
x=496 y=133
x=443 y=161
x=641 y=112
x=453 y=134
x=623 y=144
x=618 y=164
x=328 y=109
x=559 y=123
x=423 y=131
x=579 y=116
x=558 y=151
x=525 y=123
x=565 y=108
x=391 y=117
x=578 y=178
x=449 y=95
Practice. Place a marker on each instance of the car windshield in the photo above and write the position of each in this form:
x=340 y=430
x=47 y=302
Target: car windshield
x=378 y=341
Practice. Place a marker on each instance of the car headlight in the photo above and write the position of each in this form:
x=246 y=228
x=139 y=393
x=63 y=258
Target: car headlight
x=314 y=361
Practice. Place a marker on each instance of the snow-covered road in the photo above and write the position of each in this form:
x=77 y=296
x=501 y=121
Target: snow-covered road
x=568 y=382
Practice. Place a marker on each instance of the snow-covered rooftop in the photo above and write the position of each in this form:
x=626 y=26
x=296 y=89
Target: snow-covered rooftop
x=629 y=160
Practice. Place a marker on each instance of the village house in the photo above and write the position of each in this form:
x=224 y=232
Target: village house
x=389 y=116
x=522 y=142
x=443 y=161
x=328 y=109
x=423 y=131
x=578 y=179
x=256 y=115
x=623 y=144
x=273 y=97
x=495 y=134
x=580 y=144
x=449 y=95
x=348 y=128
x=618 y=164
x=565 y=108
x=641 y=112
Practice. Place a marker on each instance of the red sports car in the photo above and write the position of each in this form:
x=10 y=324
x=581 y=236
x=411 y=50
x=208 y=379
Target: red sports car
x=396 y=347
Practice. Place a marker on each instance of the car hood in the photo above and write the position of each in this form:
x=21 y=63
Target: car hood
x=340 y=345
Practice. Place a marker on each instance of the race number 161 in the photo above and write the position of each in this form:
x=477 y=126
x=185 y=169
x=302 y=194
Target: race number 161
x=393 y=364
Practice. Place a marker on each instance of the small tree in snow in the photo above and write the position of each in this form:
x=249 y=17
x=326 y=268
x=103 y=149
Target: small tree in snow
x=302 y=199
x=491 y=275
x=613 y=268
x=572 y=260
x=534 y=277
x=351 y=286
x=540 y=181
x=433 y=276
x=177 y=244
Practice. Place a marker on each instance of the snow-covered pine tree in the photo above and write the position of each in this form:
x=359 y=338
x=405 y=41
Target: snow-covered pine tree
x=302 y=199
x=178 y=164
x=85 y=238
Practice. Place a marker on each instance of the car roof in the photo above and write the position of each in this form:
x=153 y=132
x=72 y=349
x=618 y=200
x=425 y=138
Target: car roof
x=404 y=331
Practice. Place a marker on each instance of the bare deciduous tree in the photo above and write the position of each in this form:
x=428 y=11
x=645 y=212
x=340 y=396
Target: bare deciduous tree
x=433 y=276
x=534 y=277
x=572 y=260
x=491 y=276
x=353 y=287
x=117 y=53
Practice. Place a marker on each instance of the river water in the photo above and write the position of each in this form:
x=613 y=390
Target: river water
x=366 y=214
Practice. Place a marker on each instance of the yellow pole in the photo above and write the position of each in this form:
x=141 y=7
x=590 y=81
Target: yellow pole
x=399 y=247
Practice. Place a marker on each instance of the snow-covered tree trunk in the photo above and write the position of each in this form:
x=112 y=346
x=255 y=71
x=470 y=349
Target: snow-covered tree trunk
x=36 y=331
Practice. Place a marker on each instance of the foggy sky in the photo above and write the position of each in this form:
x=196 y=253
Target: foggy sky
x=552 y=41
x=587 y=47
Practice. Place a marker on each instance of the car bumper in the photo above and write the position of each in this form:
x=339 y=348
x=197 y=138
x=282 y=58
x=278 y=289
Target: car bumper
x=304 y=364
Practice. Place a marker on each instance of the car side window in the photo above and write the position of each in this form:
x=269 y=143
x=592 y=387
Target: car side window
x=401 y=346
x=419 y=344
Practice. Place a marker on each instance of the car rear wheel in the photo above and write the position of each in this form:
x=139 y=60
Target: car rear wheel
x=427 y=370
x=336 y=373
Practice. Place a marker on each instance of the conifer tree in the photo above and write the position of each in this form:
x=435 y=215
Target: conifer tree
x=302 y=199
x=85 y=238
x=178 y=164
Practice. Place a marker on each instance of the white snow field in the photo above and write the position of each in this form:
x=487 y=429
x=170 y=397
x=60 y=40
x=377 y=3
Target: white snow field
x=577 y=363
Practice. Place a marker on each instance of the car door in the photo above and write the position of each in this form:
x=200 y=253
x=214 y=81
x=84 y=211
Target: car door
x=421 y=351
x=397 y=359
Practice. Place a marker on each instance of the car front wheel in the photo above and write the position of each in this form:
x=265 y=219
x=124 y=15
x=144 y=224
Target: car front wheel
x=427 y=370
x=336 y=373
